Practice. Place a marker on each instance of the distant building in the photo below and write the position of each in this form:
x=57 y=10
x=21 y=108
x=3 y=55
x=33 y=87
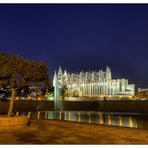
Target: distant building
x=142 y=93
x=95 y=83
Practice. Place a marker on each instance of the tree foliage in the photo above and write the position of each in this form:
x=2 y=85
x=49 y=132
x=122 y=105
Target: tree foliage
x=17 y=72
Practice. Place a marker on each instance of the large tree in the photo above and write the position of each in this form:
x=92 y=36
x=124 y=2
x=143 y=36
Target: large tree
x=17 y=73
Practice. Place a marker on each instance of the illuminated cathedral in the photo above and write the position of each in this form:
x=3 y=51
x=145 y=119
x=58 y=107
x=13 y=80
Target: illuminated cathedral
x=94 y=83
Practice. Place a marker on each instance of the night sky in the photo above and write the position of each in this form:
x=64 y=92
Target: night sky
x=80 y=37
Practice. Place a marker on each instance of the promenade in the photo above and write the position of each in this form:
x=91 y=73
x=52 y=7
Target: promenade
x=66 y=132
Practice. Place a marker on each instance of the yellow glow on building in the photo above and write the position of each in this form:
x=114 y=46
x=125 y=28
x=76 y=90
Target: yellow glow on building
x=129 y=97
x=96 y=86
x=28 y=97
x=38 y=98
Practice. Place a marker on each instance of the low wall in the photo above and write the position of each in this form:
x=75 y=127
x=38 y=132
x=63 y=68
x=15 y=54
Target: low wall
x=6 y=121
x=80 y=105
x=124 y=106
x=26 y=106
x=110 y=106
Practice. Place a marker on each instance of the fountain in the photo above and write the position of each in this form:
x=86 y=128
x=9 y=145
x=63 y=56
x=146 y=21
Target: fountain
x=56 y=93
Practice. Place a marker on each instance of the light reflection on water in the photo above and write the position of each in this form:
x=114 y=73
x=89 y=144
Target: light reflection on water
x=116 y=119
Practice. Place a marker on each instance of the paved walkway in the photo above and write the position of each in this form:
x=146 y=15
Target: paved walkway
x=64 y=132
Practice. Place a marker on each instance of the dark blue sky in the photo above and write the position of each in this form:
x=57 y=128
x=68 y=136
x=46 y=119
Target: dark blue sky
x=86 y=37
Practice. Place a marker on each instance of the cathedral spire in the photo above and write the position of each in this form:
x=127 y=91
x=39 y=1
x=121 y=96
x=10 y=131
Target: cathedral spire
x=60 y=69
x=108 y=73
x=65 y=73
x=108 y=69
x=60 y=72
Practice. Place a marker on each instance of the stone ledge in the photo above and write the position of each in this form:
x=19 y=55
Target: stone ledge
x=13 y=121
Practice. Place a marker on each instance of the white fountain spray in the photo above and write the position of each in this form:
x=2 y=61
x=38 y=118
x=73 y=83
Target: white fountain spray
x=56 y=93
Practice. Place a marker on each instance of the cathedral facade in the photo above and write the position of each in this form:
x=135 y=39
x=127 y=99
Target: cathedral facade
x=94 y=83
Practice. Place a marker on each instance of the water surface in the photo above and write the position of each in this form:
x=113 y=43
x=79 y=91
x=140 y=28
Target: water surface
x=132 y=120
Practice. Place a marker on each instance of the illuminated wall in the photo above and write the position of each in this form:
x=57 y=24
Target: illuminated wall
x=95 y=83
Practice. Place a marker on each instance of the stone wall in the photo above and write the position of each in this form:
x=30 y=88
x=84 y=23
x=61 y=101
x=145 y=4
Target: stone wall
x=110 y=106
x=26 y=106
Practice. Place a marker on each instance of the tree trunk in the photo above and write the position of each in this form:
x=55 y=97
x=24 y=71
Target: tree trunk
x=11 y=101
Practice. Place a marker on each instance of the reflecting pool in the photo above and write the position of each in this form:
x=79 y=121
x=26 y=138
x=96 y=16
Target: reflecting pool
x=132 y=120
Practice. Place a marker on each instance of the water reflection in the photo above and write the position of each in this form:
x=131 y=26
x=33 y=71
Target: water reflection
x=60 y=116
x=69 y=115
x=79 y=119
x=95 y=117
x=120 y=120
x=29 y=114
x=136 y=125
x=130 y=122
x=90 y=117
x=101 y=118
x=38 y=115
x=46 y=115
